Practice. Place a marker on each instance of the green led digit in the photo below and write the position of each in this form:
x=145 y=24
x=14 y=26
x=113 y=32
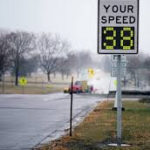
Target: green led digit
x=127 y=40
x=110 y=41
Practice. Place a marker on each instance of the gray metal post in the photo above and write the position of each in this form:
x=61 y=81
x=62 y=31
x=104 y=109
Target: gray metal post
x=119 y=102
x=3 y=84
x=71 y=105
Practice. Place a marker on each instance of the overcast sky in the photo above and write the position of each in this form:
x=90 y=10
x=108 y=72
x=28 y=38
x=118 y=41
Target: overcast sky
x=74 y=20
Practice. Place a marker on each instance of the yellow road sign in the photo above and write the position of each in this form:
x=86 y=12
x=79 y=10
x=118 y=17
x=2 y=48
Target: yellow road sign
x=23 y=81
x=115 y=83
x=91 y=73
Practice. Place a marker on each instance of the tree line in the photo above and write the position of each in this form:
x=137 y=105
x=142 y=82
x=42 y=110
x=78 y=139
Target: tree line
x=137 y=68
x=22 y=53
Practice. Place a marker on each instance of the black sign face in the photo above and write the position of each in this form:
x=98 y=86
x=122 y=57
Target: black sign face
x=118 y=26
x=117 y=38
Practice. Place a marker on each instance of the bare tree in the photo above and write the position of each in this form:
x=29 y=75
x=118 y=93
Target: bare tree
x=76 y=62
x=21 y=43
x=28 y=65
x=133 y=67
x=64 y=67
x=52 y=48
x=106 y=64
x=4 y=54
x=79 y=61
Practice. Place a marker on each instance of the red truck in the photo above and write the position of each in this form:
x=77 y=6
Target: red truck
x=79 y=87
x=76 y=88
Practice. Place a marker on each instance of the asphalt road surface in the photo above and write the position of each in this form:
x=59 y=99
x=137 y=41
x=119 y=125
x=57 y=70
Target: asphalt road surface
x=29 y=120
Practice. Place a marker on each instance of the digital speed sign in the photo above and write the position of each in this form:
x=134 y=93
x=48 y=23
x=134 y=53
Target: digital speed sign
x=118 y=26
x=118 y=38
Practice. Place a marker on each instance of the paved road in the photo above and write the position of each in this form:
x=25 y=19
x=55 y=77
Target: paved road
x=28 y=120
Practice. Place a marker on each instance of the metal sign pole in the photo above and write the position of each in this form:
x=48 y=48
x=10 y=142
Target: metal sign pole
x=23 y=89
x=3 y=84
x=119 y=102
x=71 y=105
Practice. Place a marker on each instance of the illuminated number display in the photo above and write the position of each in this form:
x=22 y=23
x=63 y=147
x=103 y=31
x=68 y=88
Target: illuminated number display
x=117 y=38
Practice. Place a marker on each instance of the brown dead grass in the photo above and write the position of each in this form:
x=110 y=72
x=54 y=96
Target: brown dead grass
x=31 y=89
x=56 y=145
x=100 y=127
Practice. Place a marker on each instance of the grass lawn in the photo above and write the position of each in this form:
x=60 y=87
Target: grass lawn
x=99 y=129
x=32 y=89
x=35 y=85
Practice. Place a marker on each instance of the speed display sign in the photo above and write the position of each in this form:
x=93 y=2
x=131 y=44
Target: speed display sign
x=118 y=26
